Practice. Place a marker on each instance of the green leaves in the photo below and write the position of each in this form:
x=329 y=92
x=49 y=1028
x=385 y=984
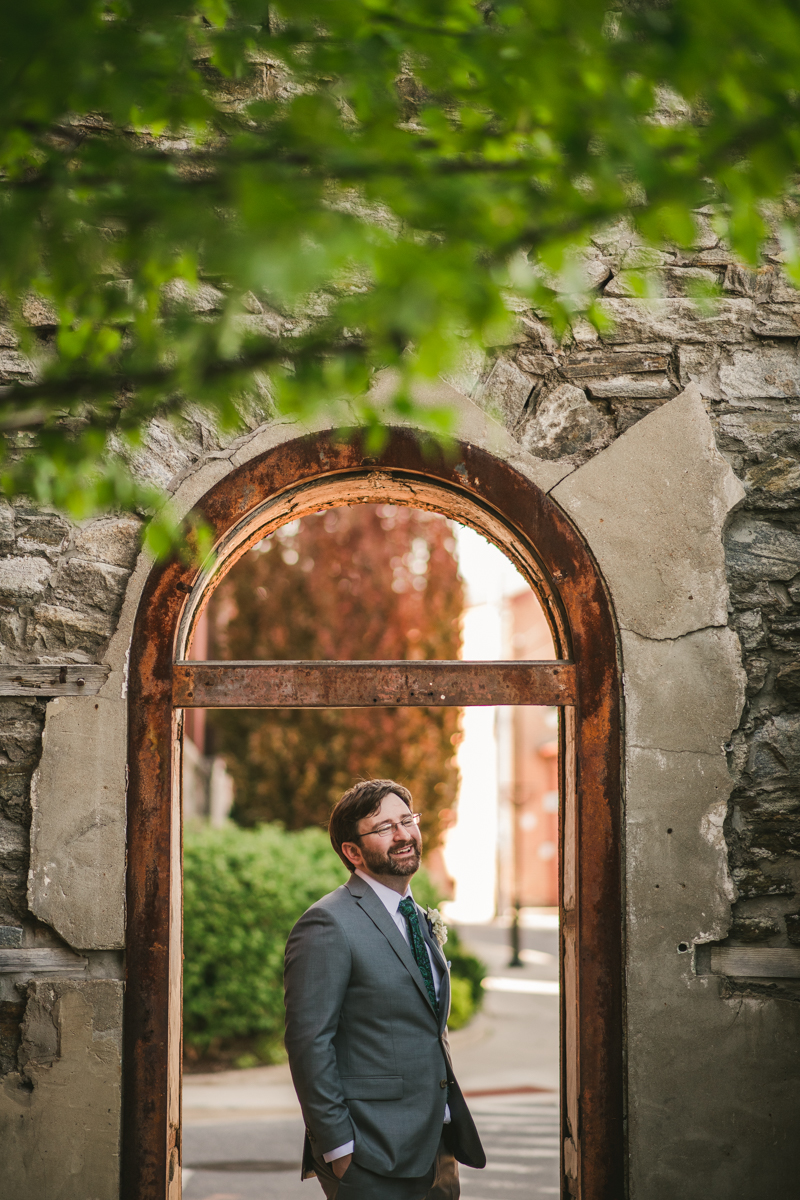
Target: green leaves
x=243 y=892
x=234 y=201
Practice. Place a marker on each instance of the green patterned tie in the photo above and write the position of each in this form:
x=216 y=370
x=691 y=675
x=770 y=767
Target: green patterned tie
x=409 y=910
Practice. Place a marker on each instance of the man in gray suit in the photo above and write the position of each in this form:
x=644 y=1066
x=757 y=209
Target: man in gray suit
x=367 y=999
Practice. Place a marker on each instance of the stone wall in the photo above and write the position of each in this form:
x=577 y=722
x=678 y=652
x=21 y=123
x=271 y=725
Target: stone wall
x=566 y=405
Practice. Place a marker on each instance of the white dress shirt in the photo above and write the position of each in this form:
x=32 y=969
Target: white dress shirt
x=391 y=902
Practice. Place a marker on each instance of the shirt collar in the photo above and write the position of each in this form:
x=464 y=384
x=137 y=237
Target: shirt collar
x=387 y=896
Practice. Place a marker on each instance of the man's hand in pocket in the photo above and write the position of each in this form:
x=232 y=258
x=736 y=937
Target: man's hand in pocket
x=340 y=1165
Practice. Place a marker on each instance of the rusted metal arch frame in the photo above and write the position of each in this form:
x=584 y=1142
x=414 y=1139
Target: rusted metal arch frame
x=306 y=475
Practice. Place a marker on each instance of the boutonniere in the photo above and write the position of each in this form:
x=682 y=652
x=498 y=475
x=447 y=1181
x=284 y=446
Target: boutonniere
x=437 y=926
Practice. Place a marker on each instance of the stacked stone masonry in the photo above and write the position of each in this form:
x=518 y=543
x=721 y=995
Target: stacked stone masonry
x=62 y=586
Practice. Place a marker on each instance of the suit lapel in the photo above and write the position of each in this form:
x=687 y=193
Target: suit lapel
x=377 y=913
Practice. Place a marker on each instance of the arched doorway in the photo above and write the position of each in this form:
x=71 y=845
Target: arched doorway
x=477 y=489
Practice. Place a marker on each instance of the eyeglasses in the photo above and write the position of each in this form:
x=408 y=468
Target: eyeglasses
x=387 y=830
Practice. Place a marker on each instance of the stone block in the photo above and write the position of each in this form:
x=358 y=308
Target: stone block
x=777 y=321
x=638 y=360
x=750 y=628
x=41 y=533
x=754 y=929
x=87 y=584
x=38 y=312
x=744 y=282
x=114 y=540
x=77 y=873
x=20 y=733
x=14 y=365
x=774 y=756
x=700 y=365
x=685 y=694
x=677 y=320
x=777 y=479
x=505 y=391
x=11 y=1012
x=787 y=682
x=756 y=882
x=631 y=387
x=14 y=846
x=565 y=422
x=668 y=281
x=58 y=630
x=202 y=298
x=784 y=291
x=793 y=928
x=23 y=578
x=535 y=363
x=60 y=1114
x=762 y=433
x=758 y=550
x=13 y=905
x=768 y=372
x=6 y=527
x=652 y=507
x=164 y=455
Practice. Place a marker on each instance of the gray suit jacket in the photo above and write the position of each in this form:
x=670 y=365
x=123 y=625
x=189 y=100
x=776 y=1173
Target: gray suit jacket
x=369 y=1057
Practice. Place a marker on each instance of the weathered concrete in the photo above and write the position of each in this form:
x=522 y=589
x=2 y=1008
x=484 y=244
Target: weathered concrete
x=677 y=869
x=60 y=1112
x=652 y=507
x=77 y=876
x=684 y=694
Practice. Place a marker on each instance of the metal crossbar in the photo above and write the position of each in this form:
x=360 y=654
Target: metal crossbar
x=370 y=684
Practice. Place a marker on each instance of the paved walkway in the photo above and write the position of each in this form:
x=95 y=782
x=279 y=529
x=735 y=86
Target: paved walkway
x=243 y=1130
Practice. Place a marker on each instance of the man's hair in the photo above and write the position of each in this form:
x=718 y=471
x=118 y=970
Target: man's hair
x=360 y=801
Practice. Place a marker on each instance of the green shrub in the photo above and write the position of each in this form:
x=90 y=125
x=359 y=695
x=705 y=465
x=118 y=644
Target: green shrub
x=462 y=1007
x=466 y=966
x=243 y=891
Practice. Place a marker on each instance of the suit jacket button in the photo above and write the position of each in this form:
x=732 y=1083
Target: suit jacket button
x=442 y=1083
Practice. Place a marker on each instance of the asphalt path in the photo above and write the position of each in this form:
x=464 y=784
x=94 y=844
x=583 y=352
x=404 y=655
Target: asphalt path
x=243 y=1131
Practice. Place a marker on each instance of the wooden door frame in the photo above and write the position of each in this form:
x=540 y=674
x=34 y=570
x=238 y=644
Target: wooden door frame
x=475 y=487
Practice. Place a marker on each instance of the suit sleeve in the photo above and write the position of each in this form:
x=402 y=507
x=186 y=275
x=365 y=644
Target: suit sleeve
x=316 y=975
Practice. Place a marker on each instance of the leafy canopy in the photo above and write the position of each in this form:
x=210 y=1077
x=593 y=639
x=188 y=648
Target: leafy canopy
x=215 y=204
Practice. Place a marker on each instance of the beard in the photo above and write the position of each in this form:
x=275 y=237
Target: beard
x=386 y=863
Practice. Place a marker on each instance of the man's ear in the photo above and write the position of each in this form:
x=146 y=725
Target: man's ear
x=352 y=853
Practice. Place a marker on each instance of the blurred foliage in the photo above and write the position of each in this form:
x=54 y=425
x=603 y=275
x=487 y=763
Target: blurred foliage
x=366 y=581
x=240 y=204
x=243 y=892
